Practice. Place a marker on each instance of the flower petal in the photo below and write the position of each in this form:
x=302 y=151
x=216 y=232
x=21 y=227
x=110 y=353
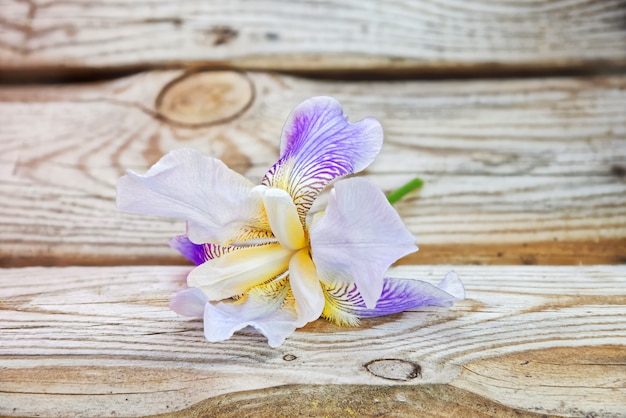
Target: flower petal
x=197 y=253
x=402 y=294
x=306 y=287
x=452 y=284
x=283 y=218
x=189 y=302
x=216 y=202
x=358 y=237
x=318 y=144
x=345 y=303
x=235 y=272
x=267 y=313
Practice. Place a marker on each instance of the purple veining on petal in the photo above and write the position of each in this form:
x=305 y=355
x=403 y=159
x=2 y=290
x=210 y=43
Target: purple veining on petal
x=318 y=144
x=196 y=253
x=398 y=295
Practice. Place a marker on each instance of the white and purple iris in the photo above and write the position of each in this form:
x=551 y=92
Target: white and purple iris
x=263 y=259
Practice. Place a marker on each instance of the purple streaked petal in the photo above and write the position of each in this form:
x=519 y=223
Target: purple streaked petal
x=216 y=202
x=196 y=253
x=265 y=313
x=358 y=237
x=189 y=302
x=398 y=295
x=318 y=144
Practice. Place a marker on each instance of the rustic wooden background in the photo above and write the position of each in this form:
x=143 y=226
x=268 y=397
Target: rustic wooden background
x=514 y=114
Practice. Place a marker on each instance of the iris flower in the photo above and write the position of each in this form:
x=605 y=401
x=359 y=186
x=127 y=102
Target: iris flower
x=263 y=258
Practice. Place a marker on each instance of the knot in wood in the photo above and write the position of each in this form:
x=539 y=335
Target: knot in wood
x=394 y=369
x=205 y=98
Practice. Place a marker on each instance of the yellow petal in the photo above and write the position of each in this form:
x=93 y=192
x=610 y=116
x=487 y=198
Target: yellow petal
x=283 y=218
x=235 y=272
x=306 y=288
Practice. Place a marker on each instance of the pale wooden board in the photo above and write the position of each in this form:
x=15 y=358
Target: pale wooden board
x=100 y=341
x=427 y=401
x=304 y=35
x=517 y=171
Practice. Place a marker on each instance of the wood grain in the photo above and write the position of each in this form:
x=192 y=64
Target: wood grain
x=102 y=342
x=429 y=401
x=435 y=36
x=544 y=374
x=516 y=172
x=521 y=173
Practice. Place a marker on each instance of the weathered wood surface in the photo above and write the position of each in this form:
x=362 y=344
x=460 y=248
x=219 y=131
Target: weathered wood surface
x=431 y=36
x=83 y=341
x=517 y=171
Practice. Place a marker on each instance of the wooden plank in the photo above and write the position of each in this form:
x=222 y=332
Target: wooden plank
x=433 y=36
x=100 y=341
x=517 y=172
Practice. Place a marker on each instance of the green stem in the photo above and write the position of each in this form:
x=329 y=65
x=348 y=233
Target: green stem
x=398 y=194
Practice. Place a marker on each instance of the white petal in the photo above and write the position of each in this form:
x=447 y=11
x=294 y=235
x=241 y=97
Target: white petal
x=358 y=237
x=215 y=201
x=452 y=284
x=283 y=218
x=223 y=319
x=306 y=287
x=189 y=302
x=235 y=272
